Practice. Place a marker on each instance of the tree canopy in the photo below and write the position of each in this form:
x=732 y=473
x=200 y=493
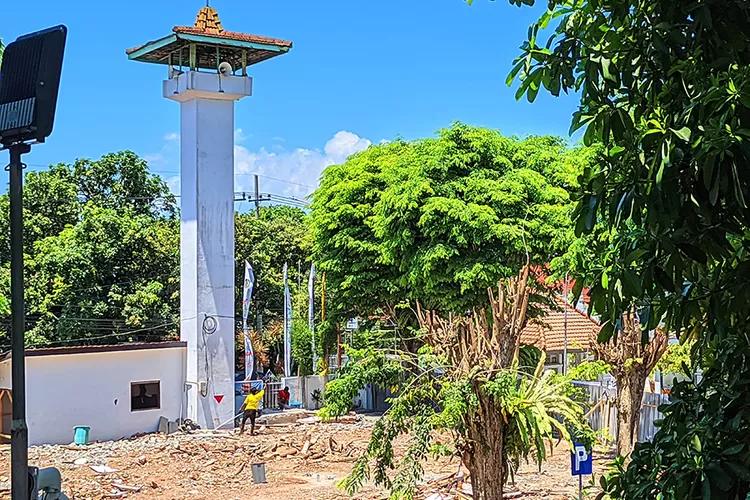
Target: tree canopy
x=101 y=243
x=664 y=85
x=439 y=220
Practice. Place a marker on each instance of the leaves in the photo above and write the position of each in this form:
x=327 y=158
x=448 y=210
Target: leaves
x=441 y=219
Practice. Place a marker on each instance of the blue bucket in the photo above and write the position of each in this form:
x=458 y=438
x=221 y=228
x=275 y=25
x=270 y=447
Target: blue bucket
x=81 y=434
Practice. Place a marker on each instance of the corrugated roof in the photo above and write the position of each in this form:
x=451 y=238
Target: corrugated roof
x=88 y=349
x=548 y=333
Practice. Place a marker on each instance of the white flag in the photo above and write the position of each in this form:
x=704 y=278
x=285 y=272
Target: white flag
x=287 y=327
x=247 y=292
x=311 y=312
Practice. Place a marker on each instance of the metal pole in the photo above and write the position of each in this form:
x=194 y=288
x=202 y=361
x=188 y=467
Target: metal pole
x=565 y=329
x=580 y=487
x=257 y=197
x=19 y=434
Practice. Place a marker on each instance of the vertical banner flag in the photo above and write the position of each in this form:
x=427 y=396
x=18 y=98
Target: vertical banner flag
x=311 y=312
x=287 y=327
x=247 y=292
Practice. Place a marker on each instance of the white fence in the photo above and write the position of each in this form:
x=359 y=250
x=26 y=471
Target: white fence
x=602 y=416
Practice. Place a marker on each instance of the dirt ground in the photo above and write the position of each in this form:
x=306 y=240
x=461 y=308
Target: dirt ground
x=302 y=462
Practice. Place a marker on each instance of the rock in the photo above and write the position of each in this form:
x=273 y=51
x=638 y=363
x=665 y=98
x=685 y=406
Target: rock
x=309 y=420
x=103 y=469
x=80 y=461
x=286 y=451
x=142 y=460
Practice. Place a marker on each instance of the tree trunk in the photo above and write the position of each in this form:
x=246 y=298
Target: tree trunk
x=484 y=458
x=630 y=388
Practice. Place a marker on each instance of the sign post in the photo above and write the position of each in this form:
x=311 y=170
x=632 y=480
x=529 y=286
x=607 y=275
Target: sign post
x=580 y=463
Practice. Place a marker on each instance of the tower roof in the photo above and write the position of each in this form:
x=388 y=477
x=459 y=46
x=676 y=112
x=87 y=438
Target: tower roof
x=212 y=44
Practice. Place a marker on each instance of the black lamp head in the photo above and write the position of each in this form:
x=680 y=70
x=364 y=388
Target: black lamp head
x=29 y=83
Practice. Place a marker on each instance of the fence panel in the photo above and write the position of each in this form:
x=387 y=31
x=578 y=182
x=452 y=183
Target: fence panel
x=602 y=412
x=649 y=413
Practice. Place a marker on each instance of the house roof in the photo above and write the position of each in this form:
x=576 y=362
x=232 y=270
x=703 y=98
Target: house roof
x=89 y=349
x=548 y=332
x=210 y=42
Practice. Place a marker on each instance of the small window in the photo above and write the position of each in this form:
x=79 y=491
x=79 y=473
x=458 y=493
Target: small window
x=553 y=360
x=145 y=396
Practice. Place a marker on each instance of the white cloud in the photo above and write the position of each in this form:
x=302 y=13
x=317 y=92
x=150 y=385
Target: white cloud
x=285 y=172
x=239 y=136
x=297 y=171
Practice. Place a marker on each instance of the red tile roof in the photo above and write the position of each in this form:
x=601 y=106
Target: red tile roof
x=208 y=23
x=231 y=35
x=548 y=332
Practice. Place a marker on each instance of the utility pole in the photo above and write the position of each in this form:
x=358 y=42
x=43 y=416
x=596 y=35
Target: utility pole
x=565 y=329
x=19 y=432
x=257 y=197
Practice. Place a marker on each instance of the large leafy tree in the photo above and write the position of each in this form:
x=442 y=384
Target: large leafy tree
x=444 y=220
x=664 y=85
x=102 y=252
x=279 y=235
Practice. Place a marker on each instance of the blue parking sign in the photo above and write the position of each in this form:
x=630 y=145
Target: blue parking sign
x=580 y=460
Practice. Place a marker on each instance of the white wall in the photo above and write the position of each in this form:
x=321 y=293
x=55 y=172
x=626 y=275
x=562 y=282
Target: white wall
x=93 y=389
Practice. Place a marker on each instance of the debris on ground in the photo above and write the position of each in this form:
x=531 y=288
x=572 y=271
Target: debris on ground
x=304 y=459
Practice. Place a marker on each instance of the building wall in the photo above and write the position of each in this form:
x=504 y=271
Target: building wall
x=93 y=389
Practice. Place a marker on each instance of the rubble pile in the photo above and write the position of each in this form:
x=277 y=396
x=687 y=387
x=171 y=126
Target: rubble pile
x=303 y=458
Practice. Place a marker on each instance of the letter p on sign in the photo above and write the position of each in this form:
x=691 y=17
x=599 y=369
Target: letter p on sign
x=580 y=460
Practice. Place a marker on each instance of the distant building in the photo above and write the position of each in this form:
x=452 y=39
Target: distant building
x=116 y=390
x=548 y=333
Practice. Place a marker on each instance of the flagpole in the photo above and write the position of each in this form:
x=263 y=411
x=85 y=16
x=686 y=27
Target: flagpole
x=311 y=315
x=287 y=327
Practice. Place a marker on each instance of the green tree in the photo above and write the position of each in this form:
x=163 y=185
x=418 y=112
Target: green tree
x=437 y=223
x=278 y=236
x=665 y=87
x=102 y=253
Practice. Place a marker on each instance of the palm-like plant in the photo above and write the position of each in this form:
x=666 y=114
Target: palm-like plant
x=534 y=406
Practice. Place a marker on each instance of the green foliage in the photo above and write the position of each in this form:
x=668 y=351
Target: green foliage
x=588 y=370
x=429 y=404
x=441 y=219
x=302 y=347
x=366 y=366
x=664 y=85
x=278 y=236
x=677 y=359
x=532 y=405
x=702 y=449
x=528 y=358
x=102 y=253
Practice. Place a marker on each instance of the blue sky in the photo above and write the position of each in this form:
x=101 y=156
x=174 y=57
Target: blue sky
x=359 y=72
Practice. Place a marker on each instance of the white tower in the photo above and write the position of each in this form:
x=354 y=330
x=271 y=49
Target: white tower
x=206 y=91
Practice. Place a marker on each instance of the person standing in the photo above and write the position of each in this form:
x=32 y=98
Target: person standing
x=250 y=408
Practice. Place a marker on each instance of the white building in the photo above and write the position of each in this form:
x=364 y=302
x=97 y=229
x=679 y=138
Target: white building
x=116 y=390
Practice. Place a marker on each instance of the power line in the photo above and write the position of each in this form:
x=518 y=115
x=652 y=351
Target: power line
x=114 y=334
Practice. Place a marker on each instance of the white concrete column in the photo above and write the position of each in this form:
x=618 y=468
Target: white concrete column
x=207 y=239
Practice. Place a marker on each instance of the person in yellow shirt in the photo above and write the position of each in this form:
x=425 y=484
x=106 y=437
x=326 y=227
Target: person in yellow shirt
x=250 y=408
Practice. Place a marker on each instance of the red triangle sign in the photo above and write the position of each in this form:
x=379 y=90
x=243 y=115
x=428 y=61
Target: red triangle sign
x=218 y=397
